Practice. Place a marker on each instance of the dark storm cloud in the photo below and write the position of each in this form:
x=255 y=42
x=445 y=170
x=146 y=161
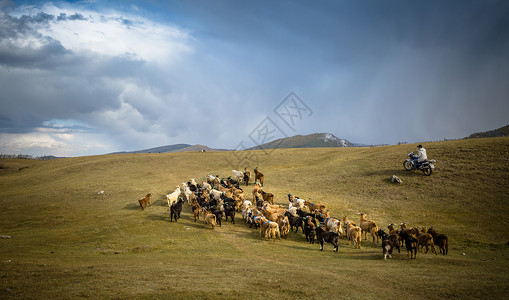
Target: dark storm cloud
x=372 y=71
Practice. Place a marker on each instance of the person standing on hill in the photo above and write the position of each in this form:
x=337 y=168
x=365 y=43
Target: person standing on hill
x=420 y=156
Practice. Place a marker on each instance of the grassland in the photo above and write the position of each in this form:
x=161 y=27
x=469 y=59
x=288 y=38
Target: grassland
x=67 y=241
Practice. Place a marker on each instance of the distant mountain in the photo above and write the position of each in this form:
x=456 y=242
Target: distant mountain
x=162 y=149
x=174 y=148
x=315 y=140
x=199 y=148
x=502 y=131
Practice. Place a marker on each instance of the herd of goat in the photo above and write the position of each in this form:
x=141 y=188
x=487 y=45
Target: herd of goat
x=216 y=198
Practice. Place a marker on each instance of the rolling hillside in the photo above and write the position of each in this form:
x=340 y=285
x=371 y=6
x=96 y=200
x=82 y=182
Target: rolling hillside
x=63 y=239
x=502 y=131
x=315 y=140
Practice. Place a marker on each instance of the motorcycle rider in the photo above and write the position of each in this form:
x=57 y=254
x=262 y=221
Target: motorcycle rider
x=420 y=156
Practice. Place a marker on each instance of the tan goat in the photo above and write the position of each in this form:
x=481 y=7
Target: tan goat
x=368 y=226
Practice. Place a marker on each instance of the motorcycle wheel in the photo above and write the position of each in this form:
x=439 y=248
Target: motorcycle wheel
x=427 y=170
x=408 y=165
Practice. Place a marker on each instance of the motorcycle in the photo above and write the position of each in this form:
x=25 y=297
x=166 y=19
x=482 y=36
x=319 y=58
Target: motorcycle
x=426 y=166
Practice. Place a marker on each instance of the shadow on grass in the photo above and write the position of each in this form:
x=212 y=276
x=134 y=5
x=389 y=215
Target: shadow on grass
x=132 y=206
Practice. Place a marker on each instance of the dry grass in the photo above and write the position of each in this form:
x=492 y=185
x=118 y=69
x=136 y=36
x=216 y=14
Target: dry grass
x=69 y=242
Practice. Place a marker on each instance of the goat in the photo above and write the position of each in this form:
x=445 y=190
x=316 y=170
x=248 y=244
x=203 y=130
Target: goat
x=313 y=206
x=206 y=185
x=173 y=197
x=295 y=201
x=334 y=225
x=209 y=218
x=259 y=176
x=175 y=210
x=309 y=230
x=216 y=194
x=145 y=201
x=327 y=236
x=256 y=191
x=441 y=240
x=284 y=225
x=394 y=232
x=388 y=243
x=247 y=176
x=269 y=229
x=295 y=221
x=229 y=211
x=269 y=197
x=188 y=193
x=353 y=233
x=425 y=240
x=410 y=244
x=196 y=209
x=368 y=226
x=238 y=175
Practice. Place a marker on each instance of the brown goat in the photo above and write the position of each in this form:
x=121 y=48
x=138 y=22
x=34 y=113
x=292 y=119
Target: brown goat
x=312 y=206
x=209 y=218
x=196 y=209
x=247 y=176
x=426 y=240
x=259 y=176
x=441 y=240
x=368 y=226
x=145 y=201
x=354 y=233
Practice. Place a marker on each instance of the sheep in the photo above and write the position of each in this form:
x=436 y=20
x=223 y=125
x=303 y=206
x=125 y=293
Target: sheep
x=426 y=240
x=145 y=201
x=326 y=236
x=441 y=240
x=247 y=176
x=173 y=197
x=209 y=218
x=368 y=226
x=354 y=233
x=238 y=175
x=175 y=210
x=259 y=176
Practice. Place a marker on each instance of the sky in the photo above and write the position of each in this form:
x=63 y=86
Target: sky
x=94 y=77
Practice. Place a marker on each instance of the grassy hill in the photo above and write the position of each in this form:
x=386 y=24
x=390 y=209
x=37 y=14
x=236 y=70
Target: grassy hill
x=68 y=241
x=502 y=131
x=315 y=140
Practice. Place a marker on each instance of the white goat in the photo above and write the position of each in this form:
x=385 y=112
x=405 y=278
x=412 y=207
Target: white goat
x=173 y=197
x=206 y=186
x=238 y=175
x=216 y=194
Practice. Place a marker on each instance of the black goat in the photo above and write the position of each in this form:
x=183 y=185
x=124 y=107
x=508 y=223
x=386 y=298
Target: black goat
x=176 y=209
x=295 y=221
x=327 y=236
x=410 y=243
